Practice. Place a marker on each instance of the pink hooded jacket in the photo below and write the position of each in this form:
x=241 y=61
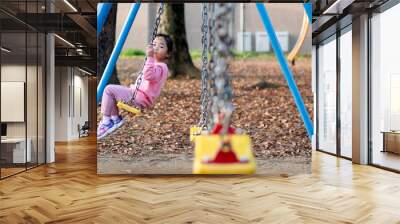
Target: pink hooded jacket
x=154 y=76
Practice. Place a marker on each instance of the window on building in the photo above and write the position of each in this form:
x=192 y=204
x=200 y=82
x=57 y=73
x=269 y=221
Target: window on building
x=327 y=96
x=385 y=89
x=346 y=92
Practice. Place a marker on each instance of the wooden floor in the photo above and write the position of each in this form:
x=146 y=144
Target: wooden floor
x=387 y=159
x=69 y=191
x=5 y=172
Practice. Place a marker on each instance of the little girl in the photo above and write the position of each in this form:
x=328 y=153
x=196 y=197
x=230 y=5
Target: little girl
x=155 y=73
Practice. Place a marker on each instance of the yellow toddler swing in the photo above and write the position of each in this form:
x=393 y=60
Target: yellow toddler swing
x=135 y=111
x=223 y=151
x=220 y=150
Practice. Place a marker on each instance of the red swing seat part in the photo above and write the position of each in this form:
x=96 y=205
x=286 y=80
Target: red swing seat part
x=218 y=128
x=225 y=153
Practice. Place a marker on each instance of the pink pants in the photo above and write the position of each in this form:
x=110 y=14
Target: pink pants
x=112 y=94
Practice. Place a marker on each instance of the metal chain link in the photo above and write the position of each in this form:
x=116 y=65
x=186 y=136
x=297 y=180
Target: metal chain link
x=222 y=93
x=211 y=65
x=153 y=36
x=204 y=73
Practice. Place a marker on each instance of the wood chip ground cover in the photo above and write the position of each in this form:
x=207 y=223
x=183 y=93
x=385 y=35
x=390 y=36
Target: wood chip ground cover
x=268 y=115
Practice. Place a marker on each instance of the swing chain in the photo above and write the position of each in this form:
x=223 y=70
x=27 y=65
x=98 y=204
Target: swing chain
x=153 y=36
x=204 y=73
x=222 y=94
x=211 y=65
x=157 y=22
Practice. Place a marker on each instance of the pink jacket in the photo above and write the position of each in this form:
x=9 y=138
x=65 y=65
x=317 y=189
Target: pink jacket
x=154 y=76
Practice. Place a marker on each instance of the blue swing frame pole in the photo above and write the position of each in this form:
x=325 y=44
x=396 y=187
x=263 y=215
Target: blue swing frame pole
x=117 y=50
x=285 y=69
x=103 y=9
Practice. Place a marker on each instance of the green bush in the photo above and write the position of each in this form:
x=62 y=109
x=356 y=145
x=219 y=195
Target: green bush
x=252 y=54
x=195 y=54
x=132 y=52
x=307 y=56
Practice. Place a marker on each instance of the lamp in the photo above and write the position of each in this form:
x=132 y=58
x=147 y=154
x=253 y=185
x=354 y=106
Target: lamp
x=64 y=40
x=71 y=6
x=5 y=50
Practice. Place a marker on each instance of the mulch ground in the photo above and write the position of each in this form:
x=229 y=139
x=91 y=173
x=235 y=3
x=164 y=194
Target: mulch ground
x=266 y=112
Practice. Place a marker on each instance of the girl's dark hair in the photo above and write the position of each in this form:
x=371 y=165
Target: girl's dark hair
x=168 y=40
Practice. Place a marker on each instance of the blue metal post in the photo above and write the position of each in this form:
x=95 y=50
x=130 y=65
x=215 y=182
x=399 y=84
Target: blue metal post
x=308 y=7
x=117 y=50
x=285 y=69
x=103 y=9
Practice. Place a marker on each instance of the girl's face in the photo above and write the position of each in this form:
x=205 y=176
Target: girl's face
x=160 y=49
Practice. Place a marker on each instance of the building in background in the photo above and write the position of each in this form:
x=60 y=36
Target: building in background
x=249 y=32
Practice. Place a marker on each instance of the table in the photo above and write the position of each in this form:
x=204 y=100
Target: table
x=13 y=150
x=391 y=141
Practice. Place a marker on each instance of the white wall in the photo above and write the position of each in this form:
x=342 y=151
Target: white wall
x=61 y=103
x=71 y=94
x=80 y=112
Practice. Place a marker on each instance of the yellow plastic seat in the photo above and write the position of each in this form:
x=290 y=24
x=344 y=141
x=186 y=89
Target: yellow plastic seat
x=194 y=132
x=207 y=146
x=128 y=108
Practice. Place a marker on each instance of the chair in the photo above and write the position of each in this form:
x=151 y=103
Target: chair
x=84 y=130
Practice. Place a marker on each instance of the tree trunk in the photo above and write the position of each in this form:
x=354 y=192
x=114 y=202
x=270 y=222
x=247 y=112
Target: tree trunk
x=173 y=23
x=106 y=43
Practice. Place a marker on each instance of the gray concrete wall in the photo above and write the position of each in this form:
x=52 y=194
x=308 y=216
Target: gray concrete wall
x=71 y=102
x=138 y=36
x=284 y=16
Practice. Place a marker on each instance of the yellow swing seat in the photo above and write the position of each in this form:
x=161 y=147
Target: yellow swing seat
x=207 y=147
x=196 y=131
x=133 y=110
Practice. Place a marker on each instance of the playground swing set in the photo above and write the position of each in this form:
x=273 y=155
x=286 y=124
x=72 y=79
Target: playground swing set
x=219 y=148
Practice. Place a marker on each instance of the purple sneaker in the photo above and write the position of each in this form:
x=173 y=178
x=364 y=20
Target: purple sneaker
x=103 y=129
x=116 y=124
